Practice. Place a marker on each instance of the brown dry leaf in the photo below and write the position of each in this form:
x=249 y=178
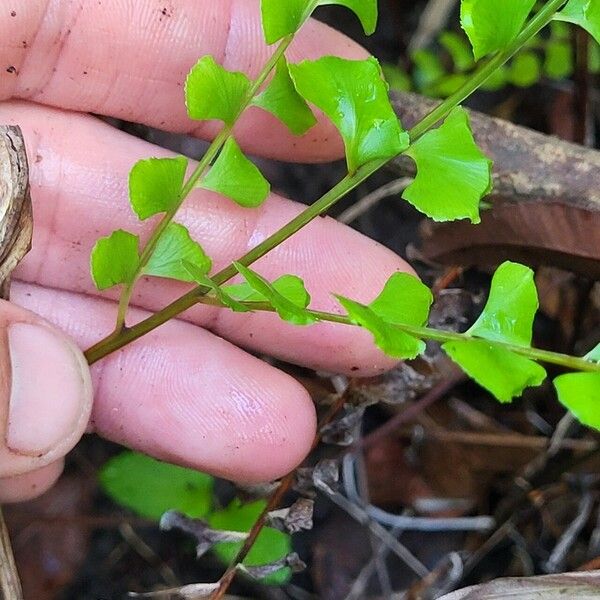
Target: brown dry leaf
x=16 y=228
x=392 y=481
x=294 y=519
x=565 y=586
x=16 y=222
x=205 y=537
x=562 y=116
x=536 y=233
x=397 y=387
x=195 y=591
x=340 y=549
x=559 y=299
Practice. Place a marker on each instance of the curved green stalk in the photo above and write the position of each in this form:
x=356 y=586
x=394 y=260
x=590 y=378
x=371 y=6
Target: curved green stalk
x=442 y=336
x=196 y=176
x=127 y=335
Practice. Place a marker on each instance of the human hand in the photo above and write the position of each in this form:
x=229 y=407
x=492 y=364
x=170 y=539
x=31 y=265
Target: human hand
x=184 y=393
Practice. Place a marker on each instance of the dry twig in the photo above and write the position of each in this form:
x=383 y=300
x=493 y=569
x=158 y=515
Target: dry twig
x=273 y=503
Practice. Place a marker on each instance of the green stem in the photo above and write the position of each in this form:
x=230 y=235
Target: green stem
x=126 y=336
x=165 y=221
x=555 y=358
x=442 y=336
x=198 y=173
x=124 y=301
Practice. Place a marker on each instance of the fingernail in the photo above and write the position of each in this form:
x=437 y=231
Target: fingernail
x=49 y=389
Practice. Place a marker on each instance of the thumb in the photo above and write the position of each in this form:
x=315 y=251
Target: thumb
x=45 y=401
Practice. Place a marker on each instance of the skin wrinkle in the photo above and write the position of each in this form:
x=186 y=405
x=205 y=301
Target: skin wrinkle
x=161 y=32
x=64 y=25
x=185 y=417
x=98 y=378
x=102 y=101
x=144 y=22
x=247 y=403
x=8 y=85
x=67 y=171
x=203 y=212
x=52 y=228
x=239 y=23
x=52 y=8
x=41 y=237
x=227 y=37
x=215 y=322
x=101 y=375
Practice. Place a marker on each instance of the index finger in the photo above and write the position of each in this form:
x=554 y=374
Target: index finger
x=129 y=60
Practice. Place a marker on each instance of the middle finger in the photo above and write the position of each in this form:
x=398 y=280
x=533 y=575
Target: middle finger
x=79 y=170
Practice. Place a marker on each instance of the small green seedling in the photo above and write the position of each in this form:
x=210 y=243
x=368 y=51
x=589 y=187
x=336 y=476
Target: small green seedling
x=441 y=70
x=150 y=488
